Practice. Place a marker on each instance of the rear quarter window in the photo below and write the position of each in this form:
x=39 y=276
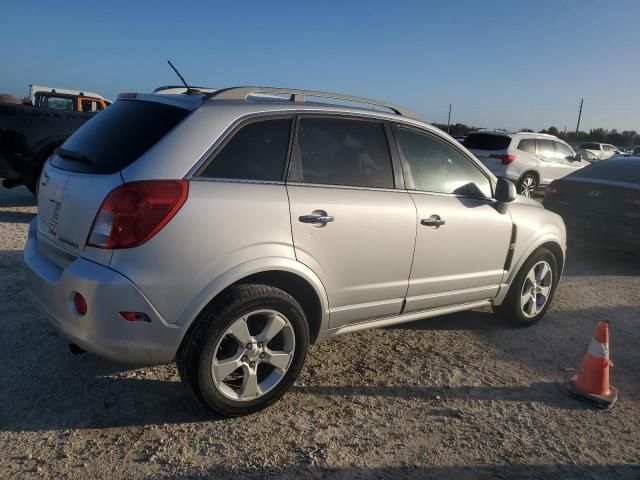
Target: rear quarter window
x=527 y=145
x=487 y=141
x=116 y=137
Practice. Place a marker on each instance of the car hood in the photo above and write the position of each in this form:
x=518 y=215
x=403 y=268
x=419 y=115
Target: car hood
x=522 y=200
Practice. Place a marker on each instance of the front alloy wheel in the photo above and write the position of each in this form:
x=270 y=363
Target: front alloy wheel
x=536 y=289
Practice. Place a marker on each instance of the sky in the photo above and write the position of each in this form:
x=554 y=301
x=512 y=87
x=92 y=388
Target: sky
x=500 y=64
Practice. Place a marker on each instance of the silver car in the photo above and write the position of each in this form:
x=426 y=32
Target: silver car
x=228 y=231
x=529 y=160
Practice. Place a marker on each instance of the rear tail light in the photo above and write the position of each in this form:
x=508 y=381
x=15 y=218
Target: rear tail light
x=505 y=159
x=134 y=212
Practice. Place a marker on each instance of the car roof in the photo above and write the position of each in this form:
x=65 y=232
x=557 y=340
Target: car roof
x=506 y=133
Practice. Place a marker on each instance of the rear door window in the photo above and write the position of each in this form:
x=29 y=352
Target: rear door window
x=527 y=145
x=487 y=141
x=258 y=151
x=431 y=165
x=545 y=149
x=118 y=136
x=338 y=151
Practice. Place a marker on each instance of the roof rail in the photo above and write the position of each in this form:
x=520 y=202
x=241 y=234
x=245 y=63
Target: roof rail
x=241 y=93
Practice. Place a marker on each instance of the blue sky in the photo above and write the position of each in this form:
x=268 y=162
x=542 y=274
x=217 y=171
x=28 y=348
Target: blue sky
x=503 y=64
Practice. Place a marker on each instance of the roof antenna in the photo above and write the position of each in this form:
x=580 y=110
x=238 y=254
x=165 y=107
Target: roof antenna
x=189 y=89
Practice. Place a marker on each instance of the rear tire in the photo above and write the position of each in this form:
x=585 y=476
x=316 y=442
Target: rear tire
x=219 y=340
x=527 y=185
x=529 y=298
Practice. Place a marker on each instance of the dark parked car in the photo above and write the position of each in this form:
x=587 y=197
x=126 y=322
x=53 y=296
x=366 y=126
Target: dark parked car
x=28 y=136
x=600 y=203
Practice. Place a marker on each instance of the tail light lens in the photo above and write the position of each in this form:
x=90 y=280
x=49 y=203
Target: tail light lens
x=134 y=212
x=505 y=159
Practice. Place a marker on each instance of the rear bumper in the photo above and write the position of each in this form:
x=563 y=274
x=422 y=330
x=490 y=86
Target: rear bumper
x=101 y=330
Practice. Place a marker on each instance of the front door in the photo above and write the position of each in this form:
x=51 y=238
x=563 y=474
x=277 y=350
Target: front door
x=462 y=239
x=349 y=224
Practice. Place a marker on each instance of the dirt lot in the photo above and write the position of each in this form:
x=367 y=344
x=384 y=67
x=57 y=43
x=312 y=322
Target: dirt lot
x=459 y=397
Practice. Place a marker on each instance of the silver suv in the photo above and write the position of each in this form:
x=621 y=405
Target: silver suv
x=530 y=160
x=230 y=230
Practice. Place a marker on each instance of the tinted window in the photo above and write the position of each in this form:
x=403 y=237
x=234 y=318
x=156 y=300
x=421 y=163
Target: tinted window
x=487 y=141
x=590 y=146
x=527 y=145
x=545 y=148
x=562 y=150
x=431 y=165
x=623 y=170
x=342 y=152
x=256 y=152
x=117 y=136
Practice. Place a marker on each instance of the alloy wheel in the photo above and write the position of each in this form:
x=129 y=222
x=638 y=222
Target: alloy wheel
x=536 y=289
x=528 y=186
x=253 y=356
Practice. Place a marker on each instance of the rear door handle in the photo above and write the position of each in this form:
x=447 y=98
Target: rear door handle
x=432 y=221
x=317 y=217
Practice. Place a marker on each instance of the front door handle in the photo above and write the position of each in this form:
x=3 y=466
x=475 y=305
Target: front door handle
x=432 y=221
x=317 y=217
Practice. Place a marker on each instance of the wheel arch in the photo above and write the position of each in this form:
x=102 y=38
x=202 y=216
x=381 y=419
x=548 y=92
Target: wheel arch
x=550 y=241
x=289 y=275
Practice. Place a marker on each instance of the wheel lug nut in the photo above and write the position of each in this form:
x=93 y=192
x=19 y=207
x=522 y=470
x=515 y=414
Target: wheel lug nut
x=248 y=346
x=259 y=344
x=244 y=358
x=252 y=364
x=262 y=355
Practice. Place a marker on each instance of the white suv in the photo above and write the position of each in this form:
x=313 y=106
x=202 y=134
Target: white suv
x=529 y=160
x=600 y=150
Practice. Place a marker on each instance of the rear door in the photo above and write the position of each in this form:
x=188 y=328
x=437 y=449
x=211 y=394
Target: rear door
x=462 y=238
x=349 y=224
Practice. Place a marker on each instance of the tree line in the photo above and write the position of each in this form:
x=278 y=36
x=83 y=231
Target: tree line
x=624 y=139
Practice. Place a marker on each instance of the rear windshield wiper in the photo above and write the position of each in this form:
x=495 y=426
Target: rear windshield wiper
x=71 y=155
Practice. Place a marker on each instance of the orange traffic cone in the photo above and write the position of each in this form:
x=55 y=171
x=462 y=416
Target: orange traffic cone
x=592 y=381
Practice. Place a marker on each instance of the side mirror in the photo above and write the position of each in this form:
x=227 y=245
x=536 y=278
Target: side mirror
x=577 y=157
x=505 y=191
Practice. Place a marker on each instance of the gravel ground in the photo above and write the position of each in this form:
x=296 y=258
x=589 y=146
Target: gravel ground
x=459 y=397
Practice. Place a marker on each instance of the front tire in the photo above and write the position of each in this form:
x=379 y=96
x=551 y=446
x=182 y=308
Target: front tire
x=532 y=290
x=245 y=349
x=527 y=185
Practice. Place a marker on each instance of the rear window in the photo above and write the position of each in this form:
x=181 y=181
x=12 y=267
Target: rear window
x=117 y=136
x=487 y=141
x=627 y=171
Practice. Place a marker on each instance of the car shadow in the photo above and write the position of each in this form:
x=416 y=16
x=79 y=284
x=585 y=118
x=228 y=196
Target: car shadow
x=584 y=259
x=549 y=393
x=16 y=197
x=15 y=217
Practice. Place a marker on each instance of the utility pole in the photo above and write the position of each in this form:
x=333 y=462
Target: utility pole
x=449 y=119
x=579 y=115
